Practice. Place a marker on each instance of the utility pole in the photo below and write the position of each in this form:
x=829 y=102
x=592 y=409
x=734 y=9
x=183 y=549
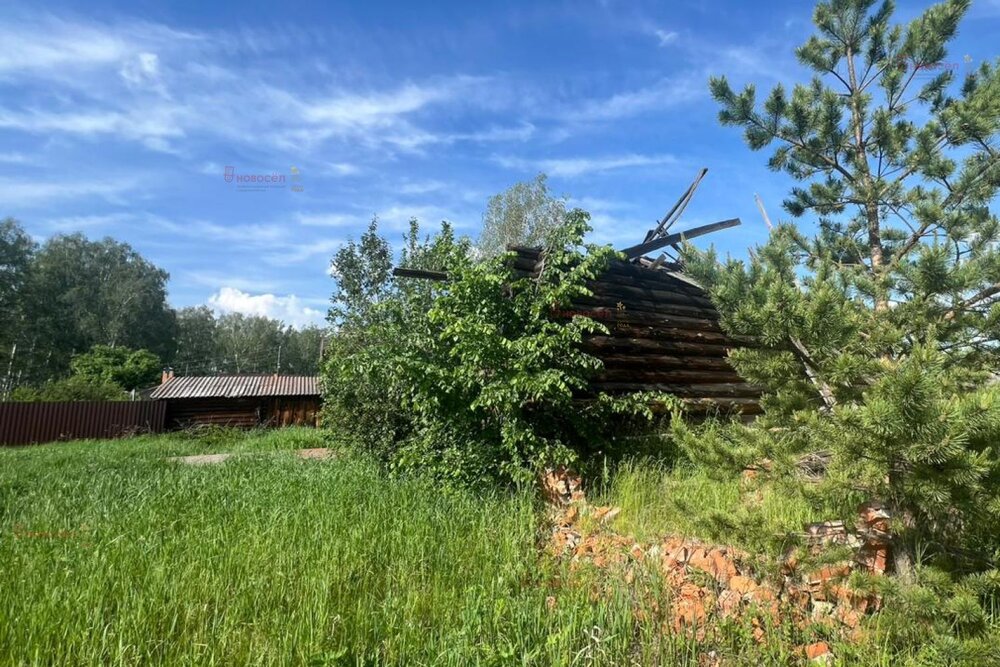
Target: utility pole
x=278 y=371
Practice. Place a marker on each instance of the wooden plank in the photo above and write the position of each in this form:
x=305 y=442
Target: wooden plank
x=646 y=306
x=401 y=272
x=620 y=291
x=601 y=344
x=612 y=315
x=670 y=239
x=698 y=391
x=617 y=360
x=668 y=376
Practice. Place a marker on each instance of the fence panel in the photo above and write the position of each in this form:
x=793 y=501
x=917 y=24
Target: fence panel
x=32 y=423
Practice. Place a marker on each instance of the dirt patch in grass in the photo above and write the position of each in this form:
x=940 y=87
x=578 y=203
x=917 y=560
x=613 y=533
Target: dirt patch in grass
x=312 y=454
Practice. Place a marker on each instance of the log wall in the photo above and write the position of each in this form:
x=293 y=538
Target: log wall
x=664 y=336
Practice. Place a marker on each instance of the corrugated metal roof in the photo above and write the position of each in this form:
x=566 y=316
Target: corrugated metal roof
x=237 y=386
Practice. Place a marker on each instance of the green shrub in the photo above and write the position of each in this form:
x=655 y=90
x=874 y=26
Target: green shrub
x=129 y=369
x=472 y=378
x=74 y=388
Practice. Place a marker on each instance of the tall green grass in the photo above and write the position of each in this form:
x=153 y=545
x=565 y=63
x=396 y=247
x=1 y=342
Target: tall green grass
x=658 y=501
x=109 y=555
x=112 y=555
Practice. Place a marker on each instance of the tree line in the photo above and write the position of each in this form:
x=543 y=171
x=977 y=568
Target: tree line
x=72 y=296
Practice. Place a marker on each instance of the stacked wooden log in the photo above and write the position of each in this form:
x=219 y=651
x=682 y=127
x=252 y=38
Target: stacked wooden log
x=663 y=336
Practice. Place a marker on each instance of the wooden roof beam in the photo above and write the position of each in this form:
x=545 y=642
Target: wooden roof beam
x=400 y=272
x=635 y=251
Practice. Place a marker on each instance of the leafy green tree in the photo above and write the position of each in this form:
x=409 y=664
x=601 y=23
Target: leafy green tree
x=377 y=319
x=16 y=251
x=196 y=348
x=248 y=343
x=875 y=328
x=237 y=343
x=129 y=369
x=301 y=349
x=362 y=270
x=524 y=214
x=82 y=293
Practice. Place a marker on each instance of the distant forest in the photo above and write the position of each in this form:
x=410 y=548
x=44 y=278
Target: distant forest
x=60 y=299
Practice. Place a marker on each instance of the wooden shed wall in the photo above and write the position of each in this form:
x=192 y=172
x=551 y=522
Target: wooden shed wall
x=664 y=335
x=292 y=411
x=243 y=412
x=237 y=412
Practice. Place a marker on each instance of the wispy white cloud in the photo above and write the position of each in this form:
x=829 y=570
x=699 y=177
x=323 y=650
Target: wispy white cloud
x=14 y=158
x=218 y=279
x=296 y=253
x=53 y=43
x=341 y=169
x=74 y=223
x=326 y=219
x=663 y=94
x=665 y=36
x=149 y=125
x=275 y=243
x=374 y=109
x=578 y=166
x=33 y=192
x=260 y=235
x=420 y=187
x=290 y=309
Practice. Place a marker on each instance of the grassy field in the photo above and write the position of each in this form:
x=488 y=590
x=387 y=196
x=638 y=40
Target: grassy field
x=110 y=554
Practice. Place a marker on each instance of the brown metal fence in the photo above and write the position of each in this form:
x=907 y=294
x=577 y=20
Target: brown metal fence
x=29 y=423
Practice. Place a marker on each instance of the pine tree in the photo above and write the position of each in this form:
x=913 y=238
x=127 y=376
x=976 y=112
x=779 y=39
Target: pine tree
x=900 y=283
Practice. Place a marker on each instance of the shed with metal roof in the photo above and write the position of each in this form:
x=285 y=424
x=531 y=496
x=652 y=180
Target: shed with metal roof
x=239 y=400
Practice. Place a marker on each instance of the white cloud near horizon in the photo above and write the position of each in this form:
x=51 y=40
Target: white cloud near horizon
x=290 y=309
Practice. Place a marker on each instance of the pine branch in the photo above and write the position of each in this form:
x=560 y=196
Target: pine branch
x=978 y=297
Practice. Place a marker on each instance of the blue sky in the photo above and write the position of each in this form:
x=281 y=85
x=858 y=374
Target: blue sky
x=119 y=121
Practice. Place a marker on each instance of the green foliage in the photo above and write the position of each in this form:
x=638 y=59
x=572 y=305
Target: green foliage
x=378 y=320
x=232 y=564
x=71 y=294
x=128 y=369
x=74 y=388
x=914 y=441
x=362 y=270
x=196 y=339
x=78 y=293
x=878 y=332
x=471 y=378
x=939 y=618
x=16 y=251
x=238 y=343
x=524 y=214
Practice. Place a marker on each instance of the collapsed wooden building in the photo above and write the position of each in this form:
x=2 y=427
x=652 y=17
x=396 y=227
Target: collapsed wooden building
x=663 y=331
x=663 y=335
